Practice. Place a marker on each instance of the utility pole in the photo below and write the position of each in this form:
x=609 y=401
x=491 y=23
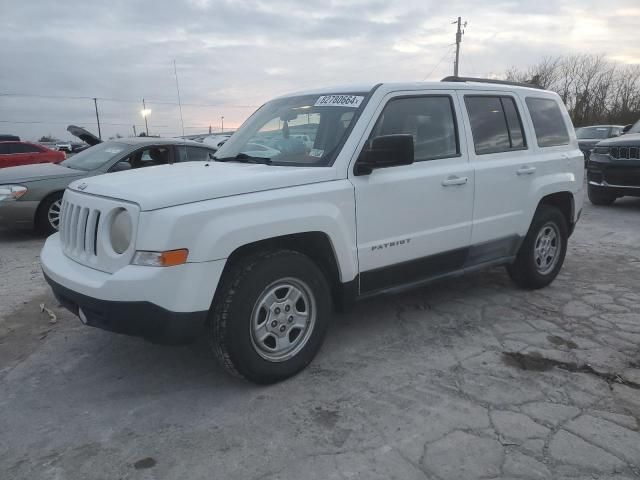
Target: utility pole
x=222 y=120
x=144 y=109
x=134 y=131
x=95 y=104
x=459 y=34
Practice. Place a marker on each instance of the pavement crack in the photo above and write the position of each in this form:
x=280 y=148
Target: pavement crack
x=537 y=363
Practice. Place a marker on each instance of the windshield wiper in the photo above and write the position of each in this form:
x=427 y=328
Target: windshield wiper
x=244 y=158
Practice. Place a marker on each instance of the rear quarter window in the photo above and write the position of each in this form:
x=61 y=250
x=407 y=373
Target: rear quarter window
x=548 y=122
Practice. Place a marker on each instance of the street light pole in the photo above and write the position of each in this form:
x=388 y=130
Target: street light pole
x=222 y=119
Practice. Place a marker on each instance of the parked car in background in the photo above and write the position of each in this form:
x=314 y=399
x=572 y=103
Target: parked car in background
x=31 y=195
x=9 y=138
x=24 y=153
x=64 y=147
x=613 y=170
x=216 y=140
x=589 y=136
x=406 y=183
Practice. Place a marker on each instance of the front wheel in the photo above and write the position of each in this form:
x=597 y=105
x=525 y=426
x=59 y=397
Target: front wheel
x=48 y=214
x=542 y=252
x=599 y=196
x=270 y=316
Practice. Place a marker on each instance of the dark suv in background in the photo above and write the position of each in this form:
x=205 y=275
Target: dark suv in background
x=588 y=137
x=613 y=169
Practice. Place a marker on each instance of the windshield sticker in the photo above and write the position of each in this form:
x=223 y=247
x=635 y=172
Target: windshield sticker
x=316 y=152
x=339 y=101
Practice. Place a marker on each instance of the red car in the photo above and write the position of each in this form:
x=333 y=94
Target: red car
x=24 y=153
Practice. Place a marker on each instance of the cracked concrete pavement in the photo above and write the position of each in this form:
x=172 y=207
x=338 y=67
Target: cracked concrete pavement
x=471 y=378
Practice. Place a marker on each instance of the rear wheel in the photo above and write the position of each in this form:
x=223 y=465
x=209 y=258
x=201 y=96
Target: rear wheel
x=270 y=316
x=600 y=196
x=542 y=252
x=48 y=214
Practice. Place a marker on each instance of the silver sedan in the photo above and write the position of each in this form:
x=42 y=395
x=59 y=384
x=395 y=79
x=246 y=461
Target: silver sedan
x=31 y=195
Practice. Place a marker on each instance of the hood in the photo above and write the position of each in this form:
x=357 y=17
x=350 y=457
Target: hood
x=588 y=143
x=169 y=185
x=626 y=140
x=87 y=137
x=39 y=171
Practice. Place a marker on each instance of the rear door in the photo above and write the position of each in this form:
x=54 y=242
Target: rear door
x=414 y=221
x=505 y=168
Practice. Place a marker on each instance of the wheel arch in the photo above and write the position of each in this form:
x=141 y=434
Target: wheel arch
x=315 y=244
x=42 y=201
x=563 y=201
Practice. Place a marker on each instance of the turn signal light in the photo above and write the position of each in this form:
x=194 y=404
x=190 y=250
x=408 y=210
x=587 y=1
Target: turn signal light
x=170 y=258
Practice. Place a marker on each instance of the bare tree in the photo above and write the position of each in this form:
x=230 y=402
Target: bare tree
x=593 y=89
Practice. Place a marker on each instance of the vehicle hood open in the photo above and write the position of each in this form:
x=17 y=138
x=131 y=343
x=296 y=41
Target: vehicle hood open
x=84 y=135
x=169 y=185
x=40 y=171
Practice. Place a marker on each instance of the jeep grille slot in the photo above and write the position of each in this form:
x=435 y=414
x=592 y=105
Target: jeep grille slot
x=79 y=229
x=625 y=153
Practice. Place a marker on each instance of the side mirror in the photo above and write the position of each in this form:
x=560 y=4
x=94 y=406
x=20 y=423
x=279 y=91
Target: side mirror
x=385 y=151
x=627 y=128
x=121 y=167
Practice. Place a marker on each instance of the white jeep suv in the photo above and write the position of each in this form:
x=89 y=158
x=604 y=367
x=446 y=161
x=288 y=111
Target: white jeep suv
x=405 y=184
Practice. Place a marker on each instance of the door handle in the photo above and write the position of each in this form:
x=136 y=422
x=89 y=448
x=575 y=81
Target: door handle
x=526 y=170
x=454 y=180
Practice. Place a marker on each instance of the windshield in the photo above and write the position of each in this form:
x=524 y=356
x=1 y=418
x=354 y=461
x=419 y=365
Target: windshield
x=592 y=132
x=635 y=128
x=96 y=156
x=295 y=131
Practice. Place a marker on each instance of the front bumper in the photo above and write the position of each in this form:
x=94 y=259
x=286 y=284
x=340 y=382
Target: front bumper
x=167 y=305
x=140 y=319
x=619 y=176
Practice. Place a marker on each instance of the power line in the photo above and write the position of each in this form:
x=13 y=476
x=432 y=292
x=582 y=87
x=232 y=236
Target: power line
x=438 y=64
x=121 y=100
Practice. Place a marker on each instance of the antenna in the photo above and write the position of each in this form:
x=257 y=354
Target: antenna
x=175 y=71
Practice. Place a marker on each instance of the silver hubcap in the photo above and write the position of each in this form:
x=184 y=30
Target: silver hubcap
x=283 y=319
x=547 y=248
x=54 y=214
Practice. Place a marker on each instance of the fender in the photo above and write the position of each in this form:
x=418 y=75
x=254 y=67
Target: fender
x=213 y=229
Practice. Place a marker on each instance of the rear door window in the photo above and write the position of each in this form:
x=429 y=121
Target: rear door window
x=22 y=148
x=495 y=124
x=548 y=122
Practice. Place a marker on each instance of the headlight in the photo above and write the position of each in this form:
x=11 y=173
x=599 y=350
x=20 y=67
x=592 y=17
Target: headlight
x=600 y=150
x=121 y=231
x=11 y=192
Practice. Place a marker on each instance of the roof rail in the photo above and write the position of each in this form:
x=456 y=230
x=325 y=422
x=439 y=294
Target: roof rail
x=489 y=80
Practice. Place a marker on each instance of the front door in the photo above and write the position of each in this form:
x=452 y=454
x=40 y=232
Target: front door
x=414 y=221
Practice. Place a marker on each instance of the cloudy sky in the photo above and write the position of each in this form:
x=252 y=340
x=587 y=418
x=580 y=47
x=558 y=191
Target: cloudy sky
x=231 y=56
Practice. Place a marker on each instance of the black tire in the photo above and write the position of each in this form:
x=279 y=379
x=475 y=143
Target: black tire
x=231 y=318
x=526 y=271
x=42 y=223
x=600 y=196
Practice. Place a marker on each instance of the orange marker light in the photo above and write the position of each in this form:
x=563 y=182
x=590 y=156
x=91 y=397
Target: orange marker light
x=174 y=257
